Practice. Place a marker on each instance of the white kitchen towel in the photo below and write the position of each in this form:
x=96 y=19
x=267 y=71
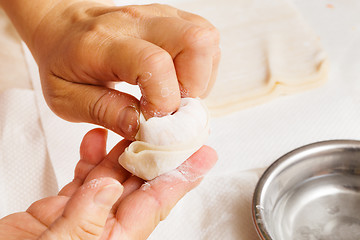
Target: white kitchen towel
x=219 y=208
x=26 y=173
x=13 y=71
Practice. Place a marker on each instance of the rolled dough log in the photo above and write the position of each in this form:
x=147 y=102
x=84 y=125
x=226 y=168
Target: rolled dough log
x=163 y=144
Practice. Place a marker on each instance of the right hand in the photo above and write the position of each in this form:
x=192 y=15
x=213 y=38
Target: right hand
x=83 y=48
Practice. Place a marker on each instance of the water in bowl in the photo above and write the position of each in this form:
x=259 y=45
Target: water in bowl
x=321 y=208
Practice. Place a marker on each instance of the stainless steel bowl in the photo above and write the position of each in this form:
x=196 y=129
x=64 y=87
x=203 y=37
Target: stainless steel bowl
x=311 y=193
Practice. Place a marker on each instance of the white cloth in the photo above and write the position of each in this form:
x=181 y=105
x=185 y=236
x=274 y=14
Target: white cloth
x=26 y=173
x=13 y=72
x=219 y=208
x=25 y=168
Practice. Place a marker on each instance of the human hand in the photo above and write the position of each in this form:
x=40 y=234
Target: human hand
x=83 y=48
x=96 y=206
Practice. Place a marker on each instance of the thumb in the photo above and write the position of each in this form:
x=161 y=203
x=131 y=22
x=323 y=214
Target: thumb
x=85 y=214
x=99 y=105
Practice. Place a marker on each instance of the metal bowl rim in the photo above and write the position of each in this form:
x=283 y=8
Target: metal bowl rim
x=278 y=165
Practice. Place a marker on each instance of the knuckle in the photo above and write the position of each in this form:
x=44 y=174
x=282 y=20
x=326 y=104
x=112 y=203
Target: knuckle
x=75 y=14
x=81 y=169
x=95 y=27
x=79 y=50
x=156 y=5
x=90 y=41
x=98 y=109
x=197 y=36
x=160 y=7
x=156 y=9
x=156 y=60
x=162 y=210
x=87 y=230
x=89 y=51
x=132 y=11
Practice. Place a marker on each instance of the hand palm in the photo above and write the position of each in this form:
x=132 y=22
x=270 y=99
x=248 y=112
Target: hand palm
x=137 y=211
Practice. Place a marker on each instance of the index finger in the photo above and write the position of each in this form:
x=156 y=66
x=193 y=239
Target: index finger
x=140 y=62
x=142 y=210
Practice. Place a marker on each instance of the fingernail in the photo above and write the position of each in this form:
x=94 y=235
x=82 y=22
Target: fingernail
x=144 y=77
x=108 y=194
x=129 y=121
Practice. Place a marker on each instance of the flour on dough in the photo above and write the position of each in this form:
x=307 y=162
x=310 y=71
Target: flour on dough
x=267 y=50
x=163 y=144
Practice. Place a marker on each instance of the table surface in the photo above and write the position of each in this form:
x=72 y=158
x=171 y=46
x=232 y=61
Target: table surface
x=249 y=139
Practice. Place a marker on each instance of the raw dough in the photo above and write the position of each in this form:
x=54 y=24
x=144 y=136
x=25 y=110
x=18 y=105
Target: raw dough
x=162 y=144
x=278 y=53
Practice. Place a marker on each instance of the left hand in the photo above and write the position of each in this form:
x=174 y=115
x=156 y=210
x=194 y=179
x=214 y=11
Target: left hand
x=104 y=201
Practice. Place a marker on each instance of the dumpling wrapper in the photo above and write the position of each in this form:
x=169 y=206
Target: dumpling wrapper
x=277 y=53
x=163 y=144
